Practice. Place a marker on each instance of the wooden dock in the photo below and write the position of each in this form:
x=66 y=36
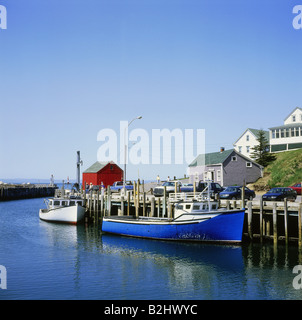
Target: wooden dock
x=27 y=191
x=280 y=222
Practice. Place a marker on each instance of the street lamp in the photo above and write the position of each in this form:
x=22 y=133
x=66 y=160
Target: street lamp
x=125 y=151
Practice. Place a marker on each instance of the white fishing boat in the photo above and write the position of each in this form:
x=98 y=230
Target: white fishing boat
x=64 y=210
x=65 y=207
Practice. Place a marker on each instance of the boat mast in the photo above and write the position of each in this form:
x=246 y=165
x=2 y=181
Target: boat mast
x=79 y=163
x=209 y=194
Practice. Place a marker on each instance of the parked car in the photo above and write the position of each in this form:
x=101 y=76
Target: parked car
x=170 y=187
x=118 y=186
x=187 y=187
x=296 y=187
x=215 y=188
x=234 y=193
x=279 y=194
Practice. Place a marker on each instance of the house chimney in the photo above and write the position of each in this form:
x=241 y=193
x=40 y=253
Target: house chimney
x=221 y=149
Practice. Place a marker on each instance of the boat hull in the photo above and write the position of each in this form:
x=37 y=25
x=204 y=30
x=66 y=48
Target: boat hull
x=70 y=214
x=222 y=227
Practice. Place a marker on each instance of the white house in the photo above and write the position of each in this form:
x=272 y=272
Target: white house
x=289 y=135
x=247 y=141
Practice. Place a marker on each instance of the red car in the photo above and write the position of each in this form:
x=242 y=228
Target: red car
x=297 y=187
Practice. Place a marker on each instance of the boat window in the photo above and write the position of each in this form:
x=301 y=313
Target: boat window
x=188 y=206
x=72 y=203
x=214 y=206
x=64 y=203
x=179 y=206
x=79 y=202
x=56 y=203
x=196 y=207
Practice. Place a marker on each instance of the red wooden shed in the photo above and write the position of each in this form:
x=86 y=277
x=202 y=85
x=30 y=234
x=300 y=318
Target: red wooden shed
x=102 y=172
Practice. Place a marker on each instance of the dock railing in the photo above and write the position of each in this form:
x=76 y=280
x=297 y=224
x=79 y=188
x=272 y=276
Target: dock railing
x=190 y=196
x=187 y=196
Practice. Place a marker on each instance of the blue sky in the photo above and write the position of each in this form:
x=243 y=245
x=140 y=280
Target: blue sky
x=71 y=68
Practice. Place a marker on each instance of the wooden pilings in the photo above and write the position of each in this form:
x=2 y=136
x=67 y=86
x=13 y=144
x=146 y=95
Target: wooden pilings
x=133 y=203
x=17 y=192
x=276 y=221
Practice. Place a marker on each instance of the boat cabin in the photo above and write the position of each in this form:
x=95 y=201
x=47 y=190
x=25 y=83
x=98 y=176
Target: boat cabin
x=195 y=207
x=54 y=203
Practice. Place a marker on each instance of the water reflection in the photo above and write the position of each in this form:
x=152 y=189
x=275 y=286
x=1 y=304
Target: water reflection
x=189 y=267
x=113 y=267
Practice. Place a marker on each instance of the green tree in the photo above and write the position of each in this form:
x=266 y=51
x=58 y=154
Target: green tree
x=261 y=152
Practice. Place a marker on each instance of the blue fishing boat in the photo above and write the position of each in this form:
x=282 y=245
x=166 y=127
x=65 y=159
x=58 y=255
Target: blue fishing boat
x=192 y=221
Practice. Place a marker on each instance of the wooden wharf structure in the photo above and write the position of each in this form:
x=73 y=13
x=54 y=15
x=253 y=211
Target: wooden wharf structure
x=28 y=191
x=280 y=222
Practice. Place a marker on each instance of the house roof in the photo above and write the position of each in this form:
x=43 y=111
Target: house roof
x=292 y=113
x=217 y=158
x=255 y=133
x=96 y=167
x=211 y=158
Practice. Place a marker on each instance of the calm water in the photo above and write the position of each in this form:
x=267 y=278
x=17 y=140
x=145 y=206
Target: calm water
x=53 y=261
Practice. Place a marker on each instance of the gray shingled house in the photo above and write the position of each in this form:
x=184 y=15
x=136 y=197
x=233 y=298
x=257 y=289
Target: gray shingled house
x=227 y=167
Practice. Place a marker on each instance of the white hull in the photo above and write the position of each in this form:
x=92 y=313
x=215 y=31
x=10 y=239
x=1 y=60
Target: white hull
x=69 y=214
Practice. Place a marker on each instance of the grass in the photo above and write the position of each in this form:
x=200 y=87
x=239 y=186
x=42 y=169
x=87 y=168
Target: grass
x=284 y=171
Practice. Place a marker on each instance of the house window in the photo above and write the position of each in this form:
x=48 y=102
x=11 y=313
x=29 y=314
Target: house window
x=277 y=133
x=248 y=149
x=273 y=134
x=286 y=133
x=234 y=158
x=218 y=175
x=294 y=118
x=297 y=132
x=247 y=137
x=205 y=175
x=248 y=164
x=240 y=149
x=282 y=133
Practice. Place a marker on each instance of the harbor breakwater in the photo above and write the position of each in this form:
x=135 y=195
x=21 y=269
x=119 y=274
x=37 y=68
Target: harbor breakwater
x=28 y=191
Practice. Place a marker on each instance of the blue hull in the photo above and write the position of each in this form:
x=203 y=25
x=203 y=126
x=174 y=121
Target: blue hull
x=225 y=227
